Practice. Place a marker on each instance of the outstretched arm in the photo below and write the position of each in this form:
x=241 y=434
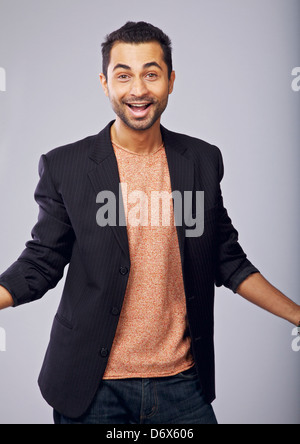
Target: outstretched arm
x=6 y=299
x=237 y=273
x=259 y=291
x=42 y=263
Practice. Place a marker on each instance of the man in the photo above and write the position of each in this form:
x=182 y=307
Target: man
x=132 y=340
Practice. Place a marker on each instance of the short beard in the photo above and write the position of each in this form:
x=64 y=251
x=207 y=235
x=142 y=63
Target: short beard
x=139 y=124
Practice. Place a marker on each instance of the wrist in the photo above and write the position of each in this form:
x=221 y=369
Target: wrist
x=294 y=317
x=297 y=319
x=6 y=299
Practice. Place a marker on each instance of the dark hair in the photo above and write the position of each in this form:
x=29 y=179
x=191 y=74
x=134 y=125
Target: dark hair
x=137 y=32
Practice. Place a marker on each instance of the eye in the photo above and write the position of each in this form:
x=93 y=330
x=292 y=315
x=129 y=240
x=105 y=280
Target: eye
x=123 y=77
x=152 y=75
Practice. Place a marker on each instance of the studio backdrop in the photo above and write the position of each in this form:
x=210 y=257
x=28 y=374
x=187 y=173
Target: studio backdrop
x=237 y=86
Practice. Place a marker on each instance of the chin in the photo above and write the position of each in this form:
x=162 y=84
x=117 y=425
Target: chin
x=141 y=125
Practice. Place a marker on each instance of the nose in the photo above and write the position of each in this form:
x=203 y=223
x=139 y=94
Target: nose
x=138 y=87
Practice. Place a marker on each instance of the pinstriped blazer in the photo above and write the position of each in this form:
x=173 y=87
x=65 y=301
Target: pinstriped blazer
x=99 y=262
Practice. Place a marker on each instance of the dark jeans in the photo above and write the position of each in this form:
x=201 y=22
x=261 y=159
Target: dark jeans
x=170 y=400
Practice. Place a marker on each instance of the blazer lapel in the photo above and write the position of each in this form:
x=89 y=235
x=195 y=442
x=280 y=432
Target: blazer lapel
x=105 y=176
x=181 y=170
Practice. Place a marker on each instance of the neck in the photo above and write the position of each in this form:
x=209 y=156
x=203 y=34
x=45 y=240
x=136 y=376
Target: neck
x=145 y=141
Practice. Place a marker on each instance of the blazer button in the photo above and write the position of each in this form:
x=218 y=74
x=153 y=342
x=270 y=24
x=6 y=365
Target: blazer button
x=123 y=271
x=104 y=352
x=115 y=311
x=198 y=339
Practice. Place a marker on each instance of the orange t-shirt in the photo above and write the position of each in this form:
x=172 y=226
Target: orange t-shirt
x=152 y=336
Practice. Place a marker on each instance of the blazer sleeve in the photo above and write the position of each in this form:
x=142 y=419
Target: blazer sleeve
x=41 y=265
x=233 y=266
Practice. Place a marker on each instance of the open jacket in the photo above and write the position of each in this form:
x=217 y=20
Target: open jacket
x=99 y=262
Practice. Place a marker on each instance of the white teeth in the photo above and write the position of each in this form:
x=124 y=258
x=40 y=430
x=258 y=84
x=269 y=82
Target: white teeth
x=138 y=106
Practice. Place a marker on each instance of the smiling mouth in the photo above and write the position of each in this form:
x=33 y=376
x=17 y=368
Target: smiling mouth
x=138 y=107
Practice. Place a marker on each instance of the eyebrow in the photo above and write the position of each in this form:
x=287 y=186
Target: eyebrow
x=146 y=66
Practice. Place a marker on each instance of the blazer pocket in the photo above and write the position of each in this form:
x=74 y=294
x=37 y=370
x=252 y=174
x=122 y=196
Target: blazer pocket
x=63 y=321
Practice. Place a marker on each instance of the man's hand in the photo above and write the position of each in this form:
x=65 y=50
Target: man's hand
x=6 y=299
x=259 y=291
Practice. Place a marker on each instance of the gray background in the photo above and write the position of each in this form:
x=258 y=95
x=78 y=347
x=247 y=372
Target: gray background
x=233 y=61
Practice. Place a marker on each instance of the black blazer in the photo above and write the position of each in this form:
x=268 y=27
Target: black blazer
x=99 y=262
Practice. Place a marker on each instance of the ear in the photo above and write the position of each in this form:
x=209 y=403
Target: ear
x=104 y=83
x=171 y=82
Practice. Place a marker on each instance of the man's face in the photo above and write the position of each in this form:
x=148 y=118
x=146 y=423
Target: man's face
x=138 y=84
